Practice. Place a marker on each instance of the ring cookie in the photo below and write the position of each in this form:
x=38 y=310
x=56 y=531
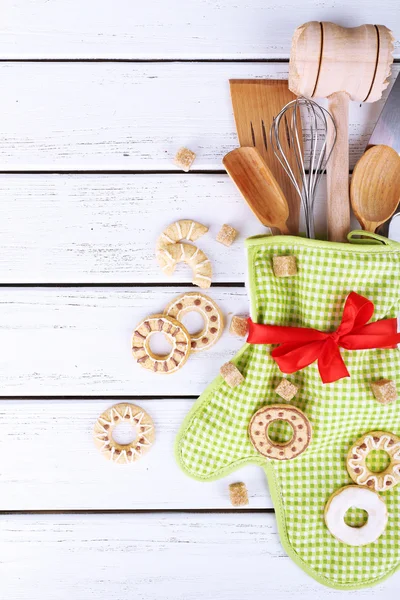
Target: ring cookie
x=213 y=318
x=177 y=335
x=356 y=461
x=124 y=413
x=362 y=498
x=173 y=254
x=262 y=419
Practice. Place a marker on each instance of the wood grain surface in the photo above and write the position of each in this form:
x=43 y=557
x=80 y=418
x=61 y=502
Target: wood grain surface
x=51 y=463
x=101 y=116
x=93 y=110
x=103 y=228
x=66 y=341
x=156 y=556
x=199 y=29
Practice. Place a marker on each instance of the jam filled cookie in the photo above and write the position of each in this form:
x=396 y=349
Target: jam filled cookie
x=124 y=413
x=358 y=497
x=262 y=419
x=176 y=334
x=213 y=318
x=357 y=456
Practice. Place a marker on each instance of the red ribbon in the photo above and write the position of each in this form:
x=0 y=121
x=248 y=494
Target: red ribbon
x=301 y=346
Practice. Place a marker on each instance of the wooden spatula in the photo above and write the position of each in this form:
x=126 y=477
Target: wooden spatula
x=258 y=187
x=255 y=103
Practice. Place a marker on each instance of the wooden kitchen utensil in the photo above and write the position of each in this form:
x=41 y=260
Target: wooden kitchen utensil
x=375 y=186
x=328 y=61
x=255 y=104
x=258 y=186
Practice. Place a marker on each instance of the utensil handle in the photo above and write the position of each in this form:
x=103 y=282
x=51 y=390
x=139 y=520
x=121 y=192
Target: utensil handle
x=338 y=169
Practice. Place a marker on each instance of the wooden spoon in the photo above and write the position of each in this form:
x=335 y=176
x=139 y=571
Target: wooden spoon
x=258 y=187
x=375 y=186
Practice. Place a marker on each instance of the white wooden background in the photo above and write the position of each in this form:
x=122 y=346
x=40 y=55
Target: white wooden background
x=96 y=97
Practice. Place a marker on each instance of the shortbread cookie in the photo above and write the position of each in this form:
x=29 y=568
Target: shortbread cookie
x=238 y=494
x=354 y=496
x=184 y=159
x=262 y=419
x=124 y=413
x=213 y=318
x=356 y=461
x=173 y=254
x=177 y=335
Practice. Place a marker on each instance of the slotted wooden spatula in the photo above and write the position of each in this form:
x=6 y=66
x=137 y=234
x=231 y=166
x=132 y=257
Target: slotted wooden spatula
x=255 y=103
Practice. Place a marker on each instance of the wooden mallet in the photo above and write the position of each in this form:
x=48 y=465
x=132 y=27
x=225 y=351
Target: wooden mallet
x=341 y=64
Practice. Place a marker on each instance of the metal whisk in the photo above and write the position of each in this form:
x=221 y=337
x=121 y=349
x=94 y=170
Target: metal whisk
x=306 y=155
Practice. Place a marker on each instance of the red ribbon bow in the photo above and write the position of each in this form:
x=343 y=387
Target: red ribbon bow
x=301 y=346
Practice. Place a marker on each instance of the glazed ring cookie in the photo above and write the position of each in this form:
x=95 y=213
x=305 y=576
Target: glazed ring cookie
x=358 y=497
x=358 y=470
x=213 y=318
x=124 y=413
x=262 y=419
x=173 y=254
x=177 y=335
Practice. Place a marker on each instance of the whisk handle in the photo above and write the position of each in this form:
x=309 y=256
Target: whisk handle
x=338 y=169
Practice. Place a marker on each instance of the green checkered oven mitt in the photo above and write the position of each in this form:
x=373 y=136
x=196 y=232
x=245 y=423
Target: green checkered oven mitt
x=214 y=440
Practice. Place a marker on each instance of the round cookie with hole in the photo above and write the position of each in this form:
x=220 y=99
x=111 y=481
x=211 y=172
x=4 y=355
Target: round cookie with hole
x=176 y=334
x=265 y=445
x=360 y=457
x=213 y=319
x=116 y=417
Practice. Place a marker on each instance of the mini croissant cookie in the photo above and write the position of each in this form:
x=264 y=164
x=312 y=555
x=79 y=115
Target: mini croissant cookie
x=185 y=229
x=173 y=254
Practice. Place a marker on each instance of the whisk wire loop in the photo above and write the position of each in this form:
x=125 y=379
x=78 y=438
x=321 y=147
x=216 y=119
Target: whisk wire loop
x=299 y=141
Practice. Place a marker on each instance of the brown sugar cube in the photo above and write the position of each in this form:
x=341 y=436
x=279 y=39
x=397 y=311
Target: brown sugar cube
x=231 y=374
x=284 y=266
x=239 y=326
x=184 y=159
x=384 y=391
x=286 y=390
x=226 y=235
x=238 y=494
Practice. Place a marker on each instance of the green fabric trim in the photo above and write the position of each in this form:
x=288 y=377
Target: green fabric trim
x=213 y=441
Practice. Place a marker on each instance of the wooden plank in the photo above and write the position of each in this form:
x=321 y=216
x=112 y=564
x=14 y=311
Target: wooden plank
x=101 y=116
x=68 y=341
x=178 y=29
x=103 y=228
x=49 y=462
x=156 y=556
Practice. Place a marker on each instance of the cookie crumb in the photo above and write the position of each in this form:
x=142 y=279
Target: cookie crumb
x=238 y=494
x=286 y=389
x=284 y=266
x=227 y=235
x=239 y=326
x=231 y=374
x=184 y=159
x=384 y=391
